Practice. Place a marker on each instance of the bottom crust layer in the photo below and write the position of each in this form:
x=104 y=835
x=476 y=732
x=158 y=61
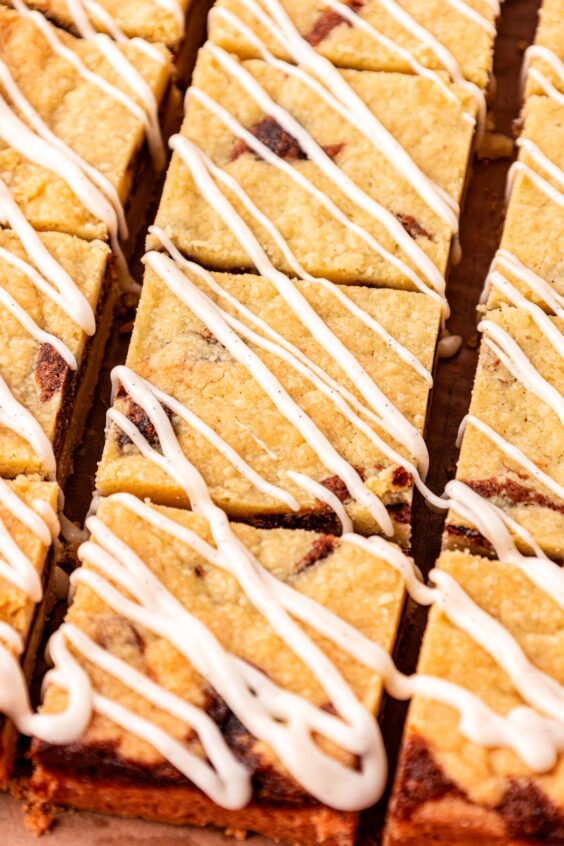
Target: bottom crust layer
x=184 y=805
x=456 y=822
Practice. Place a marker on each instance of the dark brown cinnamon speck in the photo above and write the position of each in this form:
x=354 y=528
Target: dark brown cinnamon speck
x=420 y=779
x=140 y=419
x=273 y=136
x=328 y=21
x=321 y=548
x=51 y=372
x=413 y=227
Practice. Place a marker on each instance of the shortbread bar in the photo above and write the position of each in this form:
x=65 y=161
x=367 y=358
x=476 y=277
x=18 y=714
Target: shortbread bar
x=371 y=35
x=73 y=107
x=355 y=204
x=20 y=615
x=535 y=208
x=546 y=57
x=449 y=789
x=117 y=770
x=39 y=376
x=153 y=21
x=521 y=410
x=176 y=352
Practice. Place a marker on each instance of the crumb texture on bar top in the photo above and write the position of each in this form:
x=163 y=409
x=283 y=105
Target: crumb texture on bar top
x=468 y=40
x=176 y=352
x=412 y=109
x=34 y=371
x=528 y=423
x=448 y=787
x=145 y=19
x=97 y=127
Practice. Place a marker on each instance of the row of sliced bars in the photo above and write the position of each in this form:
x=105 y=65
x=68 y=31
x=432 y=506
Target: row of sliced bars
x=449 y=789
x=193 y=367
x=74 y=155
x=304 y=179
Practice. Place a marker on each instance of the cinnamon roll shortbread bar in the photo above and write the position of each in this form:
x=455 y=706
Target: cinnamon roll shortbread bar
x=186 y=693
x=356 y=179
x=486 y=767
x=83 y=128
x=411 y=36
x=57 y=294
x=513 y=445
x=544 y=60
x=160 y=21
x=28 y=525
x=302 y=404
x=529 y=264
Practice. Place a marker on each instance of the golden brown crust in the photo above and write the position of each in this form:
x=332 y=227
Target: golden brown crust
x=185 y=805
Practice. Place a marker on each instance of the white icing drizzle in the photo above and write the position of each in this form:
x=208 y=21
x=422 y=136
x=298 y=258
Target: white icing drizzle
x=512 y=452
x=48 y=516
x=337 y=292
x=257 y=440
x=190 y=295
x=519 y=365
x=80 y=9
x=15 y=566
x=281 y=346
x=422 y=34
x=67 y=295
x=473 y=15
x=44 y=153
x=553 y=301
x=38 y=150
x=147 y=114
x=541 y=159
x=41 y=284
x=14 y=416
x=536 y=51
x=120 y=374
x=356 y=20
x=282 y=29
x=41 y=128
x=138 y=387
x=327 y=166
x=34 y=330
x=11 y=638
x=325 y=495
x=520 y=167
x=342 y=398
x=281 y=718
x=351 y=105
